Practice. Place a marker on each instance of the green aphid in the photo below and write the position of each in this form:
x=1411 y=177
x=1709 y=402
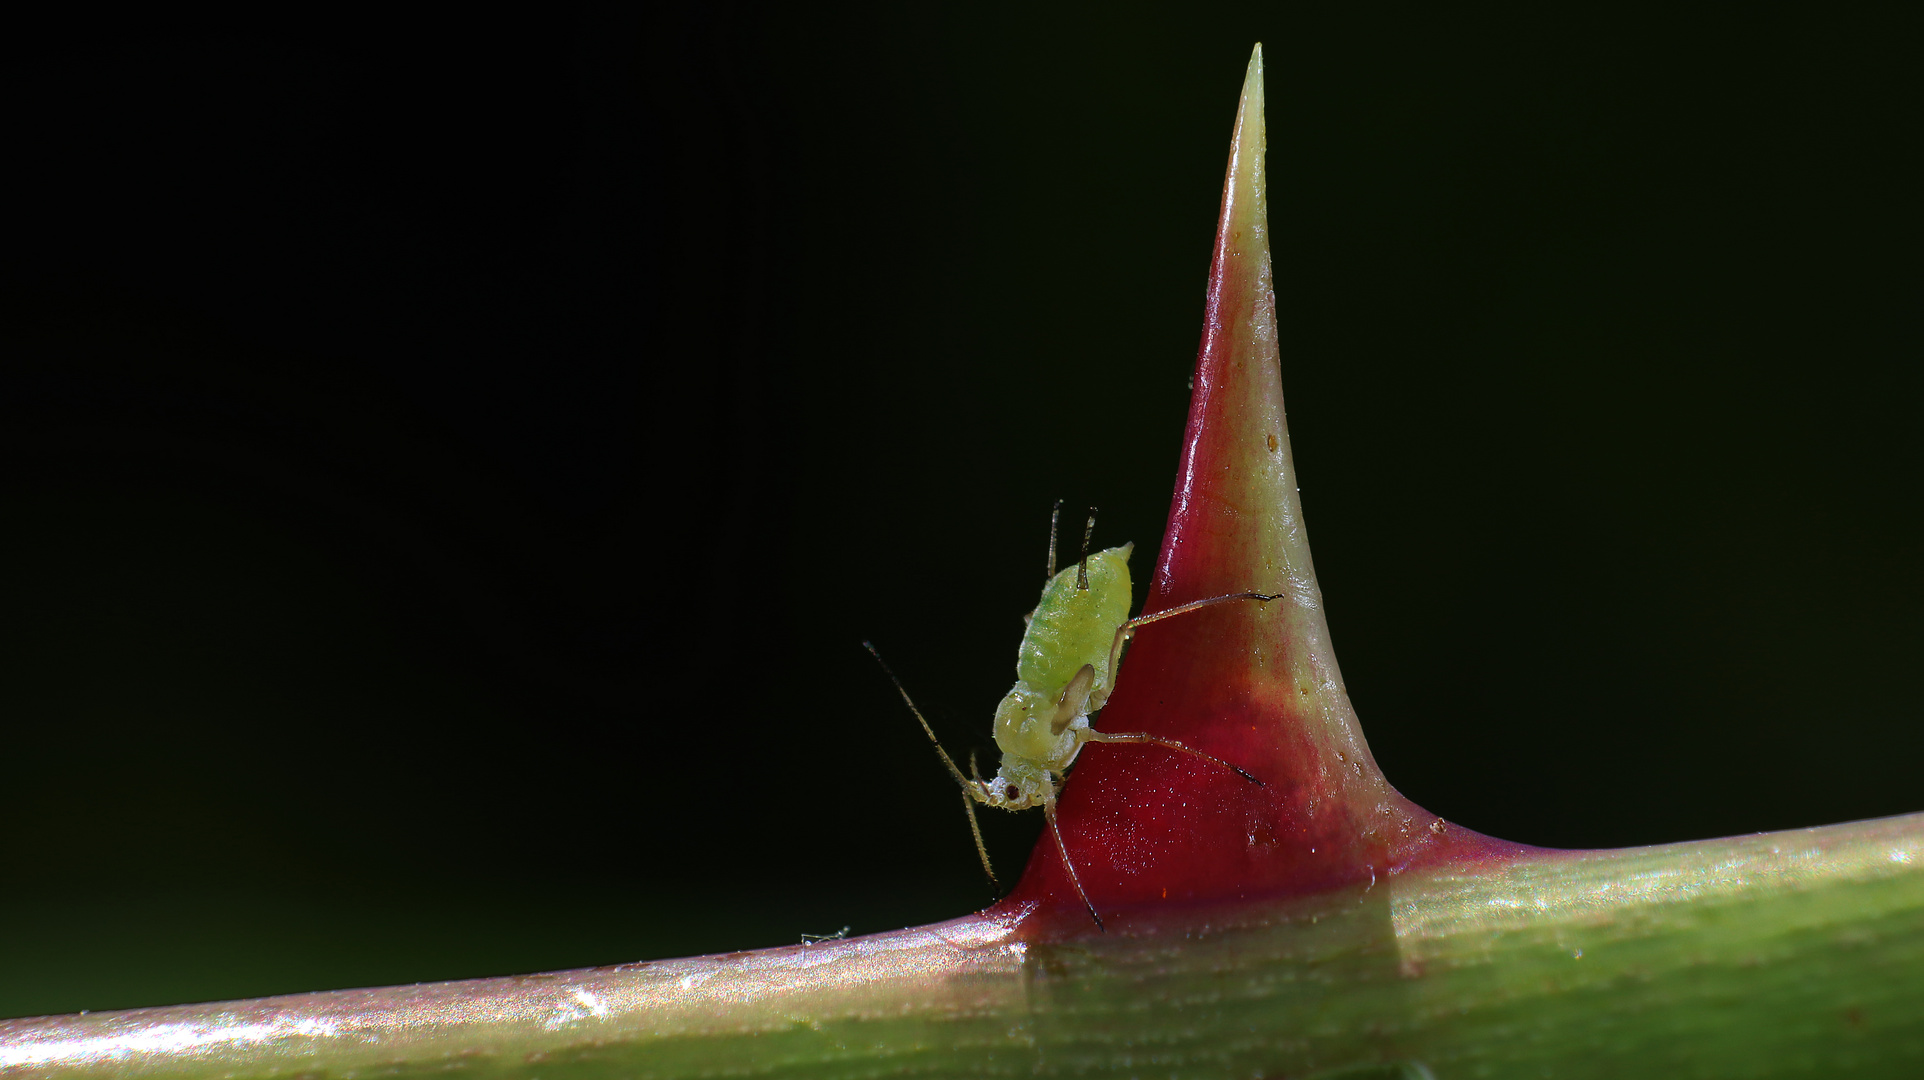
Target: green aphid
x=1065 y=670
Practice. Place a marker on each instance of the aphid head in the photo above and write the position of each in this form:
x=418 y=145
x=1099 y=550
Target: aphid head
x=1016 y=786
x=1003 y=795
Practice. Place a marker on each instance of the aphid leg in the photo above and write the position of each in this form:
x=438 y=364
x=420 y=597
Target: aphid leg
x=1082 y=575
x=1128 y=630
x=970 y=792
x=1054 y=516
x=1197 y=605
x=1145 y=737
x=1049 y=811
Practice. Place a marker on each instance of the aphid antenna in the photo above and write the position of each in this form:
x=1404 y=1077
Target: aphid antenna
x=1054 y=516
x=968 y=803
x=1089 y=530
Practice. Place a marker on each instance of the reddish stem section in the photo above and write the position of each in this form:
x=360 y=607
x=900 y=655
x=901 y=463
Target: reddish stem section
x=1255 y=684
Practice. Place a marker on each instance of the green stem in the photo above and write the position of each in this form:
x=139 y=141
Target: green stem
x=1782 y=954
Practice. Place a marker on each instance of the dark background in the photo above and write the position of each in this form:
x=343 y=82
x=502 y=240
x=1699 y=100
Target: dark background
x=449 y=463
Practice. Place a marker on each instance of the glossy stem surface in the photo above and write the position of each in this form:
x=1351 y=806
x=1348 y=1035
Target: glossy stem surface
x=1785 y=954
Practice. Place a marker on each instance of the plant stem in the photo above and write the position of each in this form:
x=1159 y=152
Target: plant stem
x=1782 y=954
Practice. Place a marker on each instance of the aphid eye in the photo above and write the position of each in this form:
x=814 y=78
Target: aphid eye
x=1012 y=792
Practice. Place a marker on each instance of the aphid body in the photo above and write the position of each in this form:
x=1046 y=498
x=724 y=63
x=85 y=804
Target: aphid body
x=1065 y=670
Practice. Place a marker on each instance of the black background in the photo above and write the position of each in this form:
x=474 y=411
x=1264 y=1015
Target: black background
x=449 y=463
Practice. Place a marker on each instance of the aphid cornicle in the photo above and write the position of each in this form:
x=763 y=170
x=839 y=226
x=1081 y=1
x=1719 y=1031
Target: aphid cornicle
x=1065 y=670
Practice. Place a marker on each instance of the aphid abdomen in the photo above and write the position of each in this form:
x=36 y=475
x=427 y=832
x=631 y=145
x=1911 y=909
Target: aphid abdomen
x=1071 y=627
